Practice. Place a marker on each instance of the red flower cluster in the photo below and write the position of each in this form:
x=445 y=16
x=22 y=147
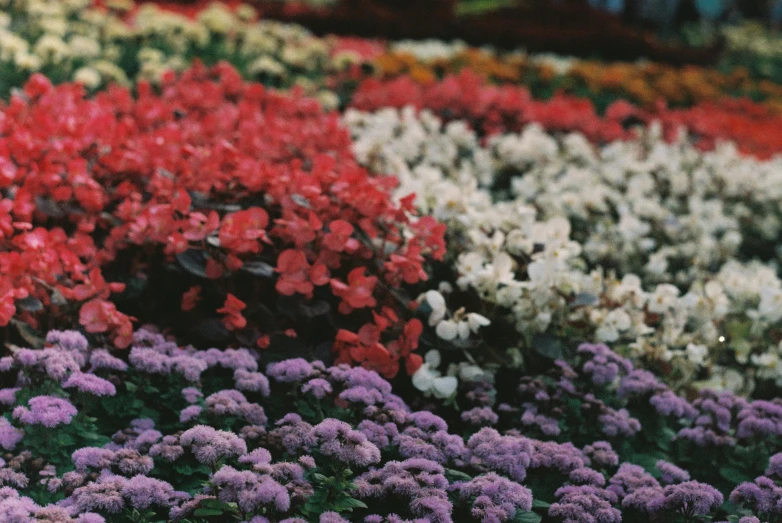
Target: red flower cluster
x=214 y=169
x=507 y=108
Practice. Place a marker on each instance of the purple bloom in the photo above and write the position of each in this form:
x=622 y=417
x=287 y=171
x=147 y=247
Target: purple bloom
x=89 y=384
x=332 y=517
x=318 y=387
x=618 y=423
x=292 y=433
x=251 y=382
x=563 y=457
x=381 y=435
x=601 y=454
x=191 y=394
x=480 y=416
x=775 y=466
x=10 y=436
x=488 y=451
x=337 y=440
x=210 y=445
x=68 y=340
x=494 y=498
x=48 y=411
x=690 y=498
x=8 y=396
x=102 y=359
x=290 y=371
x=250 y=490
x=190 y=413
x=667 y=403
x=92 y=457
x=630 y=478
x=584 y=504
x=143 y=492
x=587 y=476
x=605 y=365
x=670 y=473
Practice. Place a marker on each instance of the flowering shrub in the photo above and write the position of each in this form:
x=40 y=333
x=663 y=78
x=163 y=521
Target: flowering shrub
x=230 y=212
x=554 y=239
x=204 y=435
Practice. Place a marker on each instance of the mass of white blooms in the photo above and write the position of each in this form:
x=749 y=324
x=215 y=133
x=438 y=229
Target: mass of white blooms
x=660 y=249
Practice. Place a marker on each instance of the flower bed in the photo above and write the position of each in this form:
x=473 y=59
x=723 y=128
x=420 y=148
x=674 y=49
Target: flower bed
x=304 y=442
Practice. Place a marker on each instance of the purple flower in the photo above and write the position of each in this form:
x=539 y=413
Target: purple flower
x=8 y=396
x=605 y=365
x=103 y=495
x=775 y=466
x=191 y=394
x=337 y=440
x=585 y=504
x=290 y=371
x=332 y=517
x=547 y=425
x=587 y=476
x=488 y=451
x=670 y=473
x=480 y=416
x=601 y=454
x=618 y=423
x=318 y=387
x=143 y=492
x=92 y=457
x=102 y=359
x=48 y=411
x=190 y=413
x=210 y=445
x=89 y=384
x=250 y=490
x=251 y=382
x=10 y=436
x=690 y=498
x=630 y=478
x=68 y=340
x=292 y=433
x=667 y=403
x=494 y=498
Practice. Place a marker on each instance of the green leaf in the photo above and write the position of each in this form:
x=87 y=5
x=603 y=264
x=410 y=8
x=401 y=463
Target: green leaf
x=205 y=512
x=548 y=346
x=351 y=503
x=456 y=475
x=735 y=475
x=539 y=503
x=527 y=517
x=193 y=261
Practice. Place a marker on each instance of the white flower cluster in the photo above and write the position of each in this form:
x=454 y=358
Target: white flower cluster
x=643 y=244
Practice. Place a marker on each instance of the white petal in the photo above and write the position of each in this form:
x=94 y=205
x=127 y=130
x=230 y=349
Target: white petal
x=476 y=321
x=423 y=378
x=447 y=330
x=432 y=359
x=445 y=387
x=464 y=330
x=435 y=300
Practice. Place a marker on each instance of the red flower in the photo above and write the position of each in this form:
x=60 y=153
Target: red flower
x=296 y=275
x=232 y=308
x=358 y=293
x=338 y=239
x=190 y=298
x=240 y=231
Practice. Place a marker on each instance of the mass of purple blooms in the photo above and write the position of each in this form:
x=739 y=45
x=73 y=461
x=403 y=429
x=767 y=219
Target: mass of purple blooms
x=169 y=433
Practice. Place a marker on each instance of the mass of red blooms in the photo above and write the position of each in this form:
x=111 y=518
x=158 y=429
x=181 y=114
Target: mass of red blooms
x=507 y=108
x=216 y=176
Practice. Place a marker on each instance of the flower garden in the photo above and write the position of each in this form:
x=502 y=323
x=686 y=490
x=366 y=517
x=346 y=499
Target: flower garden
x=252 y=274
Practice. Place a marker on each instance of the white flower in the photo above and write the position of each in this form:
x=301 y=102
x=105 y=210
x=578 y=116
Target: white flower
x=447 y=330
x=444 y=387
x=697 y=354
x=437 y=303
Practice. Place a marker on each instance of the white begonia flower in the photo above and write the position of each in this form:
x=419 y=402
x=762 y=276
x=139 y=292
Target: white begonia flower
x=447 y=330
x=476 y=321
x=424 y=377
x=445 y=386
x=432 y=358
x=697 y=354
x=663 y=298
x=437 y=302
x=770 y=307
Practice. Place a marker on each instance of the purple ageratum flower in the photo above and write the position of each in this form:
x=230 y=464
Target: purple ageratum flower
x=480 y=416
x=101 y=359
x=630 y=478
x=68 y=340
x=89 y=384
x=318 y=387
x=645 y=499
x=585 y=504
x=250 y=490
x=439 y=446
x=292 y=433
x=605 y=365
x=380 y=434
x=587 y=476
x=547 y=425
x=48 y=411
x=131 y=461
x=775 y=465
x=759 y=419
x=92 y=457
x=690 y=498
x=233 y=403
x=55 y=363
x=666 y=403
x=6 y=363
x=563 y=457
x=332 y=517
x=336 y=439
x=168 y=449
x=360 y=377
x=8 y=396
x=601 y=454
x=251 y=382
x=670 y=473
x=10 y=436
x=191 y=394
x=638 y=383
x=190 y=413
x=495 y=498
x=361 y=395
x=488 y=451
x=102 y=495
x=705 y=437
x=257 y=458
x=419 y=482
x=290 y=371
x=233 y=359
x=90 y=517
x=762 y=497
x=143 y=492
x=209 y=445
x=618 y=423
x=425 y=420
